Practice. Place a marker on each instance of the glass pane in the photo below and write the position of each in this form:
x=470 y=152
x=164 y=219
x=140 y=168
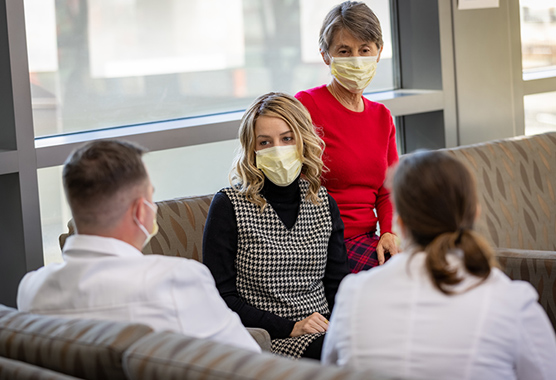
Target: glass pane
x=540 y=113
x=195 y=170
x=103 y=63
x=538 y=34
x=55 y=212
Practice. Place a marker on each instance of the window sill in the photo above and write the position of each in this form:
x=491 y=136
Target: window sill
x=53 y=150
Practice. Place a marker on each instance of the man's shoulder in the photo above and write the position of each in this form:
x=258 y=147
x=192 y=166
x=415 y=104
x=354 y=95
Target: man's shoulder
x=176 y=261
x=179 y=267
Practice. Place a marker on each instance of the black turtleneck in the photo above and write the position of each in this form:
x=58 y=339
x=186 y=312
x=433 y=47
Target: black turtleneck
x=220 y=243
x=285 y=200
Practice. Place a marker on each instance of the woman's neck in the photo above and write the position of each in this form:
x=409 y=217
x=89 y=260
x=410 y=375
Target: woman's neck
x=353 y=102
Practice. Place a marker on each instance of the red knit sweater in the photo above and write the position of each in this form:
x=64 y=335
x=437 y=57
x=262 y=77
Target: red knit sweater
x=360 y=146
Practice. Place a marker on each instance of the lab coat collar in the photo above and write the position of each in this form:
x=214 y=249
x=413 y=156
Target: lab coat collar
x=80 y=246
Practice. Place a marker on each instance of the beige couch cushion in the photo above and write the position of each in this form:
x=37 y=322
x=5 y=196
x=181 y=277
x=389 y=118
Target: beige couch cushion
x=88 y=349
x=516 y=180
x=181 y=222
x=15 y=370
x=170 y=356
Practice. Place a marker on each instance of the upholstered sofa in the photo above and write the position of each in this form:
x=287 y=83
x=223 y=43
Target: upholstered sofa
x=43 y=347
x=516 y=181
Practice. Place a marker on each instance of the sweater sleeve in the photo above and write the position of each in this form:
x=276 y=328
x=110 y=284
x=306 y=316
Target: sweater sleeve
x=384 y=208
x=337 y=266
x=220 y=244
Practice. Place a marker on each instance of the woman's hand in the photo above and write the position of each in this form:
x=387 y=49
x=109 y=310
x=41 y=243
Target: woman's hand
x=315 y=323
x=387 y=243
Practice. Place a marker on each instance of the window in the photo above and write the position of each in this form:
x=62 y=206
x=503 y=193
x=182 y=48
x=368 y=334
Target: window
x=538 y=45
x=102 y=64
x=538 y=34
x=540 y=113
x=107 y=63
x=174 y=173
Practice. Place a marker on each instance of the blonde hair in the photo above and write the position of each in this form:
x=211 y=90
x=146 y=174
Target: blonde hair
x=246 y=177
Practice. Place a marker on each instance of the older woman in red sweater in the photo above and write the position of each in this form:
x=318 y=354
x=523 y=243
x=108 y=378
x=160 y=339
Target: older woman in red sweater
x=359 y=134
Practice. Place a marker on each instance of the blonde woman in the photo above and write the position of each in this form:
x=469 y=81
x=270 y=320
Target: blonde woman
x=274 y=239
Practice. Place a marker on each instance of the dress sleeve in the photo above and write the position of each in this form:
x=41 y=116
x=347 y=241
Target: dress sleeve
x=384 y=208
x=537 y=347
x=219 y=253
x=337 y=266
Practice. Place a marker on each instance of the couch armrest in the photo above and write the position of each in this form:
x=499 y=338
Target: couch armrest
x=14 y=369
x=82 y=348
x=261 y=336
x=536 y=267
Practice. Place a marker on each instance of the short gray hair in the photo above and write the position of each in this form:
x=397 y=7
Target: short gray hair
x=355 y=17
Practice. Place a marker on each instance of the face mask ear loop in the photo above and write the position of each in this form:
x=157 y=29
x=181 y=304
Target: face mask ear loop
x=142 y=227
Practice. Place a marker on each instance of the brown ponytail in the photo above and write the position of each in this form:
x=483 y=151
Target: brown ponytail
x=435 y=197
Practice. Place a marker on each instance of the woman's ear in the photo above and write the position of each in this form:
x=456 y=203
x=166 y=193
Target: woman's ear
x=379 y=54
x=325 y=57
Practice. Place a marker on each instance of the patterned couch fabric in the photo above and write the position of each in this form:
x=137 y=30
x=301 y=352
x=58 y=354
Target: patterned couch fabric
x=16 y=370
x=168 y=356
x=516 y=179
x=181 y=224
x=87 y=349
x=536 y=267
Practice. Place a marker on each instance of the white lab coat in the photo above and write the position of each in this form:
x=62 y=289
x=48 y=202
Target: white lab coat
x=105 y=278
x=392 y=322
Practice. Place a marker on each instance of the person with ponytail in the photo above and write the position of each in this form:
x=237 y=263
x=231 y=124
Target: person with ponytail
x=441 y=309
x=274 y=240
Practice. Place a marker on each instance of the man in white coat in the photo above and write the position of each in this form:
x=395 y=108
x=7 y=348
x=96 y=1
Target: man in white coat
x=104 y=275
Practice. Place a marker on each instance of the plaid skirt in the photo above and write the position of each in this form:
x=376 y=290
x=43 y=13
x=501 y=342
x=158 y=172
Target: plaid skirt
x=361 y=250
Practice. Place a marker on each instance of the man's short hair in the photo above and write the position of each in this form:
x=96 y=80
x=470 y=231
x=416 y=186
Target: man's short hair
x=101 y=179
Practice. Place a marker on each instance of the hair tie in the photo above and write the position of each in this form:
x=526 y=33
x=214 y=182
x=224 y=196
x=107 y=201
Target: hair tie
x=460 y=233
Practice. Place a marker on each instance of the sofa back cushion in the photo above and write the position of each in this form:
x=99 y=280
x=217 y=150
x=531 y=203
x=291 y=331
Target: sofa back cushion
x=181 y=223
x=168 y=356
x=516 y=180
x=87 y=349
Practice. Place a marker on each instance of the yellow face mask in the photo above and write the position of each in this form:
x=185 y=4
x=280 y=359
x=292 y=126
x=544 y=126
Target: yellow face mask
x=280 y=164
x=155 y=224
x=353 y=73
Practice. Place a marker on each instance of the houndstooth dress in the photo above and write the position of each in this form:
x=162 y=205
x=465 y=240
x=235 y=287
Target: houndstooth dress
x=281 y=270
